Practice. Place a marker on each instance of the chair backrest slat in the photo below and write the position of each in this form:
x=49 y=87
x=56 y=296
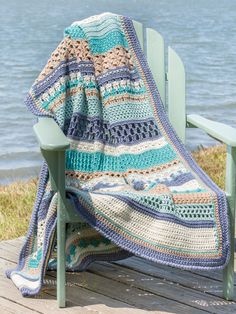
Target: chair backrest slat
x=139 y=30
x=172 y=93
x=176 y=93
x=156 y=60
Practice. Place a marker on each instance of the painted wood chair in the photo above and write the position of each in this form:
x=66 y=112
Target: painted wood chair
x=171 y=84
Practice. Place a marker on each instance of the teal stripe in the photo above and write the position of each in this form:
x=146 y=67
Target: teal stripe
x=90 y=106
x=94 y=28
x=91 y=85
x=100 y=44
x=128 y=111
x=189 y=191
x=90 y=162
x=75 y=32
x=111 y=40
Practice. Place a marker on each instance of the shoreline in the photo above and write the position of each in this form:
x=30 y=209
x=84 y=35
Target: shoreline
x=17 y=198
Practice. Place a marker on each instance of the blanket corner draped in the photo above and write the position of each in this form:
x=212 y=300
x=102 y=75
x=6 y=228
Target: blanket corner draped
x=136 y=188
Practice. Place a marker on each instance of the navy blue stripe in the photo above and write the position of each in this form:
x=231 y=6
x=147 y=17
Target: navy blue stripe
x=64 y=68
x=116 y=74
x=95 y=129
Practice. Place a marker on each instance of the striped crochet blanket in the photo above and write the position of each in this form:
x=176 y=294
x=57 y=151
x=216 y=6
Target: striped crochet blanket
x=130 y=178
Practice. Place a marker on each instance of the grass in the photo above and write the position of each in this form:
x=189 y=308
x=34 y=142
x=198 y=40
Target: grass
x=17 y=199
x=16 y=203
x=212 y=161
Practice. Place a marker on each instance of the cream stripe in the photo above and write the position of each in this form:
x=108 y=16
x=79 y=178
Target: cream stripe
x=155 y=230
x=118 y=150
x=123 y=83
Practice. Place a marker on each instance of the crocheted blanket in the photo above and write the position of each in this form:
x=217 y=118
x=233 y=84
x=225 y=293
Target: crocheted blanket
x=135 y=186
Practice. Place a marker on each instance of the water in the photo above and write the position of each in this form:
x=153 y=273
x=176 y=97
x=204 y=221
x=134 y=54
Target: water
x=202 y=32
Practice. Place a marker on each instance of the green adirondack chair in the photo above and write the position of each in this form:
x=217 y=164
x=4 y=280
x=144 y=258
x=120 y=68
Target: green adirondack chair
x=53 y=144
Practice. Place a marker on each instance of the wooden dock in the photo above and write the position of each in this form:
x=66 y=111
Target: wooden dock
x=132 y=286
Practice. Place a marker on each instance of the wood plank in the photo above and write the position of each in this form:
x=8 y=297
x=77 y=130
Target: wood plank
x=134 y=285
x=80 y=298
x=77 y=300
x=13 y=242
x=89 y=301
x=161 y=287
x=127 y=293
x=7 y=306
x=99 y=303
x=212 y=275
x=9 y=253
x=43 y=302
x=185 y=278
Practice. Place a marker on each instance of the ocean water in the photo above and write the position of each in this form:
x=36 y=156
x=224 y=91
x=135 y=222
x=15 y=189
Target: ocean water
x=202 y=32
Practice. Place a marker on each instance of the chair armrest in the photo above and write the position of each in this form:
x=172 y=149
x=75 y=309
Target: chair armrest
x=50 y=136
x=219 y=131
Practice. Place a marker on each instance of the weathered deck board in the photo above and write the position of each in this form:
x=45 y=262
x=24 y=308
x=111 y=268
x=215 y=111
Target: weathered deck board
x=200 y=281
x=78 y=298
x=132 y=286
x=161 y=287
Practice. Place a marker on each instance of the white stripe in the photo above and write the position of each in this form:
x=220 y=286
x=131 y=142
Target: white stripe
x=190 y=186
x=96 y=146
x=21 y=282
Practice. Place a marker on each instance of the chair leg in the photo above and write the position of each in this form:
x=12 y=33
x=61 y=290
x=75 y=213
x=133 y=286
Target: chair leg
x=61 y=270
x=228 y=280
x=230 y=184
x=61 y=230
x=56 y=164
x=228 y=272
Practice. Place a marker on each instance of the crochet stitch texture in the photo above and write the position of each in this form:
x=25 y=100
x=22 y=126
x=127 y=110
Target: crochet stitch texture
x=128 y=174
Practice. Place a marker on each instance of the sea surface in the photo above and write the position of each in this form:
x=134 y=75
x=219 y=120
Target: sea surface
x=202 y=32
